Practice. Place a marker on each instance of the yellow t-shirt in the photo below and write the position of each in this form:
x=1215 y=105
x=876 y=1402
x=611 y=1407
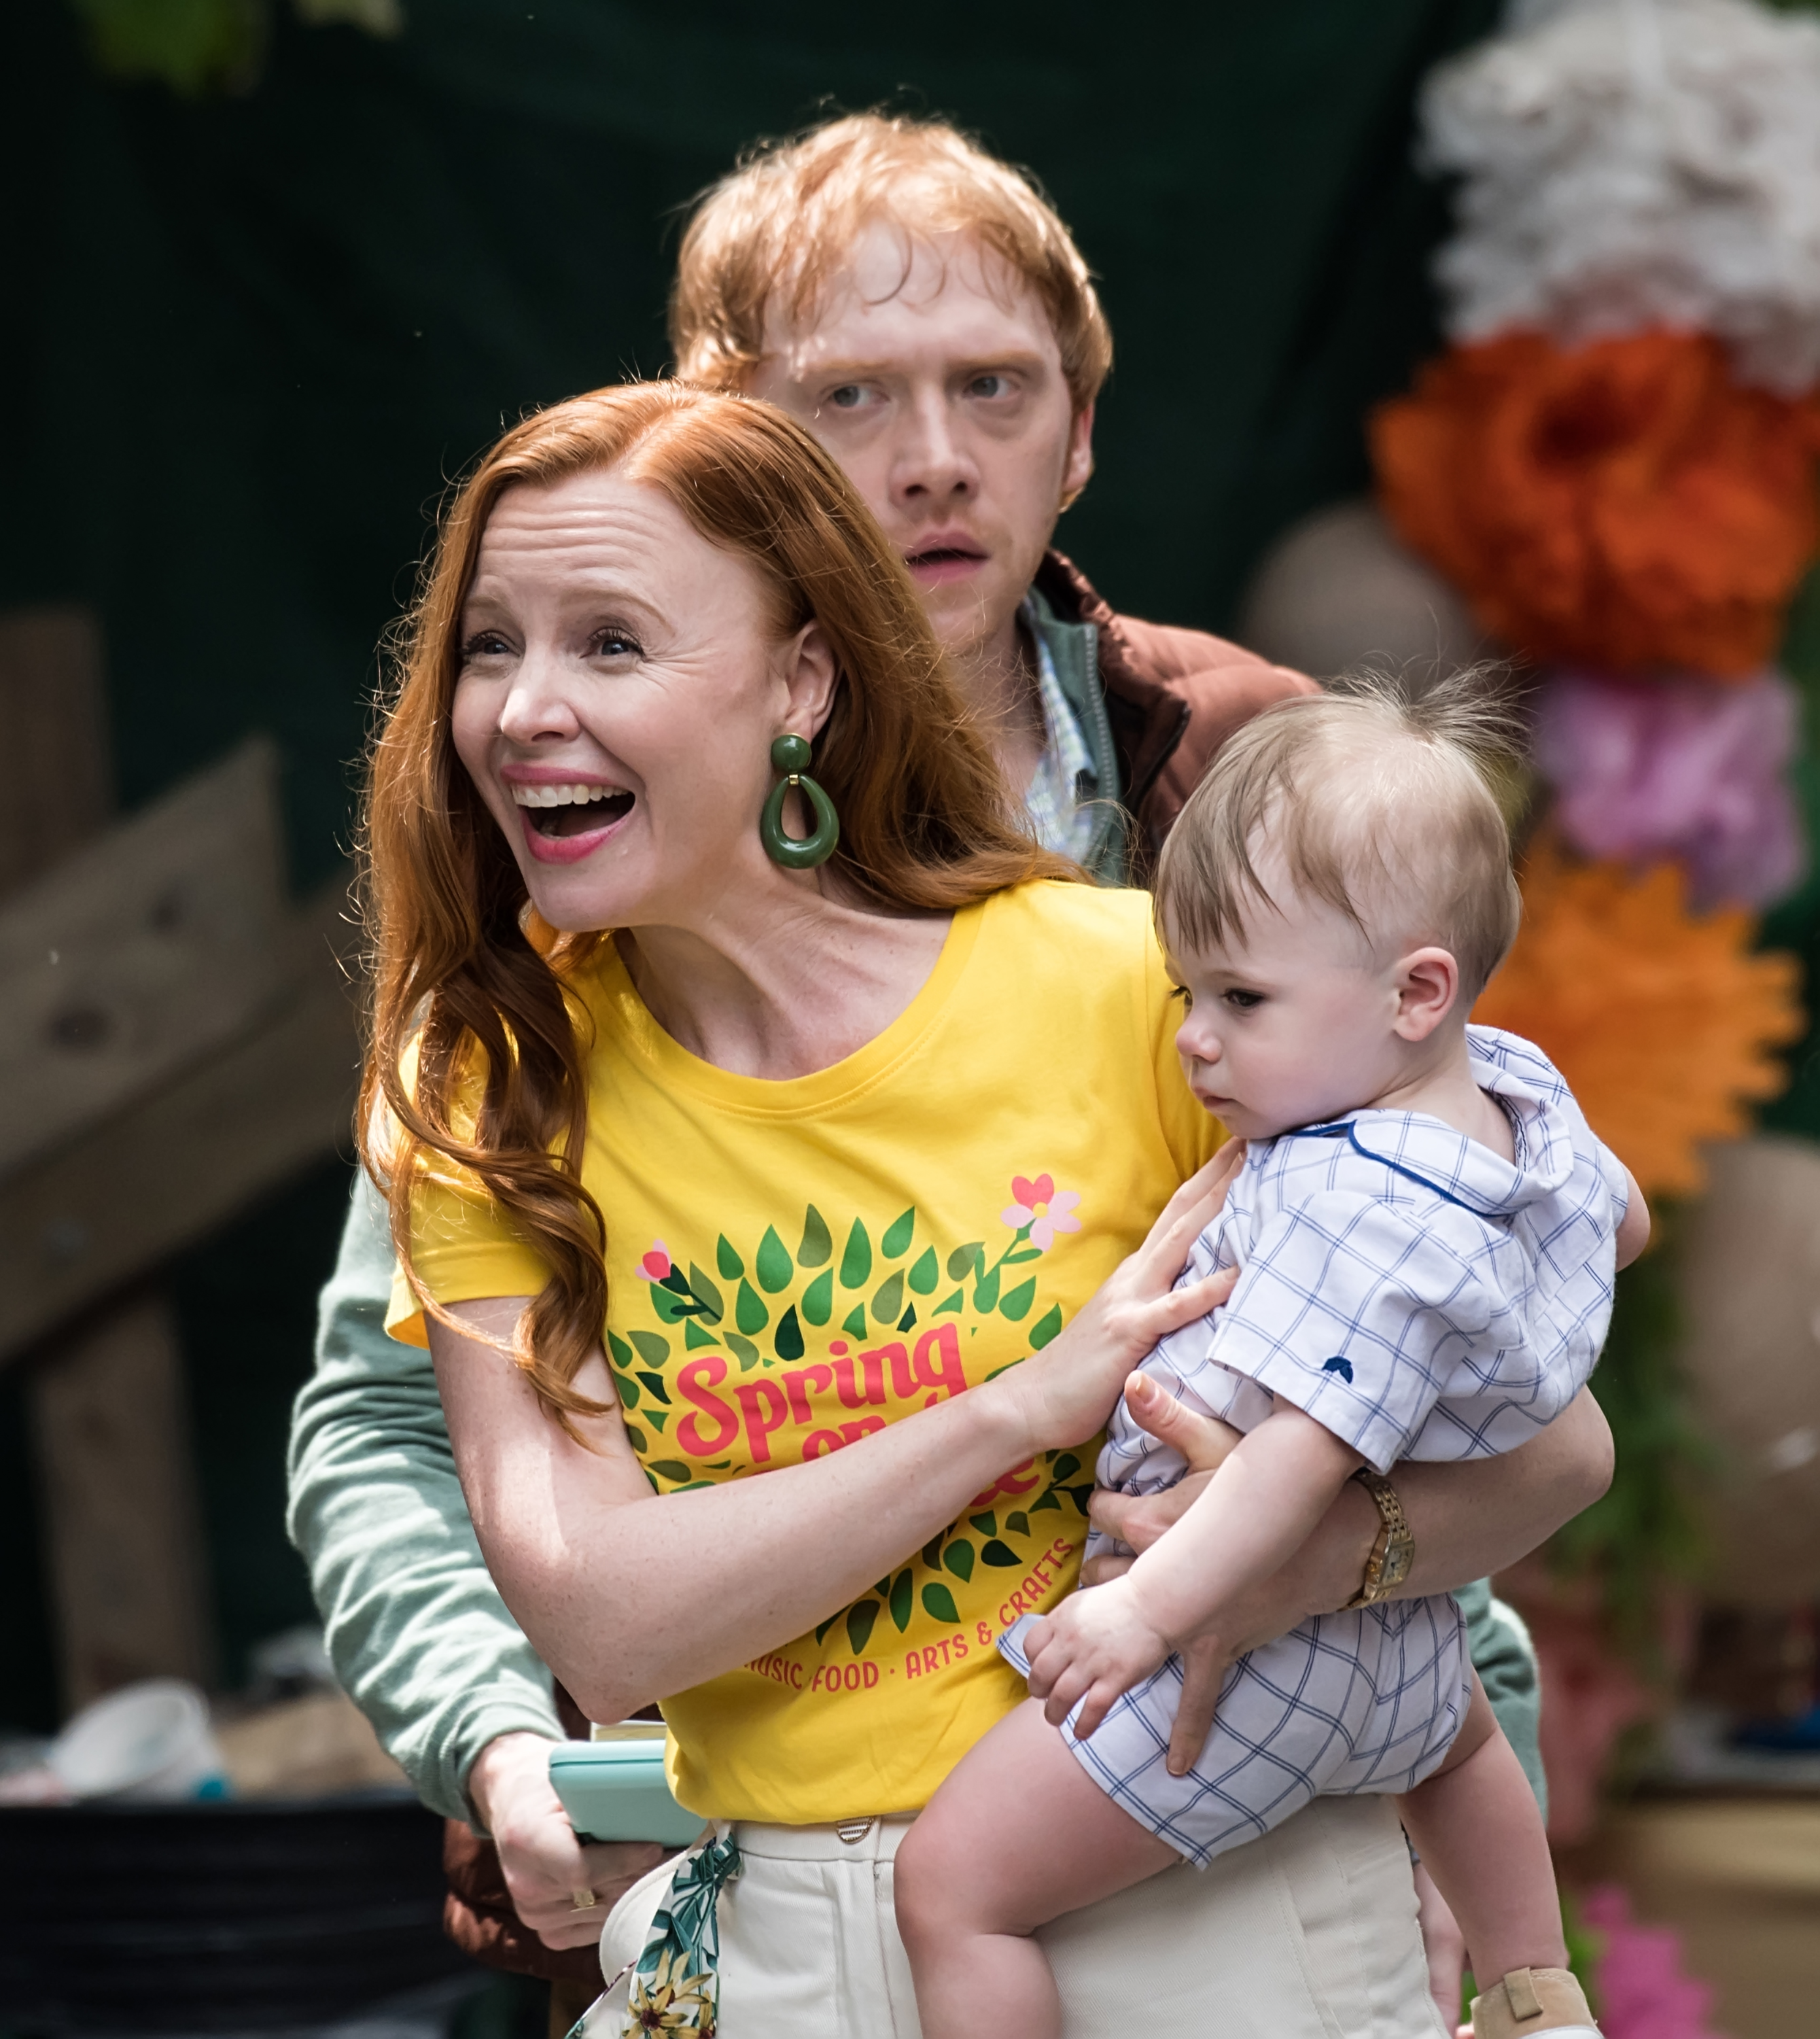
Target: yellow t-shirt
x=793 y=1265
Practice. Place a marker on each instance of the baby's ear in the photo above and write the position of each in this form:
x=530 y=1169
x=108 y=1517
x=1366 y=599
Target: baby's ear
x=1427 y=990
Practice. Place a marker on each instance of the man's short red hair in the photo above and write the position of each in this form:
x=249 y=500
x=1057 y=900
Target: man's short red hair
x=784 y=221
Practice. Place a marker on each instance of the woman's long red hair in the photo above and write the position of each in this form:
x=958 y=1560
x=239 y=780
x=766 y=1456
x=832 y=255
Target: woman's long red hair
x=924 y=823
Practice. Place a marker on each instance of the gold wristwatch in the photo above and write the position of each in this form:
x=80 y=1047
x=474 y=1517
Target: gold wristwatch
x=1394 y=1551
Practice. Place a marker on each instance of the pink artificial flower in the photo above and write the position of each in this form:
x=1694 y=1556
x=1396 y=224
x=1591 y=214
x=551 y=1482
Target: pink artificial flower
x=656 y=1264
x=1638 y=1979
x=1679 y=767
x=1043 y=1208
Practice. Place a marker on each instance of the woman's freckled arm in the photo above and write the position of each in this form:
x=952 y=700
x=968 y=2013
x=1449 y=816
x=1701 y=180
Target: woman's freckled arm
x=628 y=1596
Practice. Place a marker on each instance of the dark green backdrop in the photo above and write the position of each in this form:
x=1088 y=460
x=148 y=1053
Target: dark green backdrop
x=246 y=340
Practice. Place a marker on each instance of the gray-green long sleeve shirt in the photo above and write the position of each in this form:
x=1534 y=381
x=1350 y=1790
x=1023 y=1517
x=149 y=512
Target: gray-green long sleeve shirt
x=417 y=1632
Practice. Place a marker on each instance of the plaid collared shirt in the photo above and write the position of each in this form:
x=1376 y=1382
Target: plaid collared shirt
x=1063 y=820
x=1412 y=1291
x=1424 y=1298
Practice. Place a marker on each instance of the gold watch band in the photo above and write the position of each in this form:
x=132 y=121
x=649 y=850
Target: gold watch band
x=1394 y=1551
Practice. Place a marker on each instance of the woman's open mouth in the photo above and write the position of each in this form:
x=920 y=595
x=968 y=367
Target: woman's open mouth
x=563 y=822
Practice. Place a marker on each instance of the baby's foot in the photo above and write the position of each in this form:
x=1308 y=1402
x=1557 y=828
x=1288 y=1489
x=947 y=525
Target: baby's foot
x=1533 y=2000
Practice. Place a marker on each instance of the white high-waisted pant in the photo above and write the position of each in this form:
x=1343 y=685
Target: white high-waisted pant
x=1309 y=1933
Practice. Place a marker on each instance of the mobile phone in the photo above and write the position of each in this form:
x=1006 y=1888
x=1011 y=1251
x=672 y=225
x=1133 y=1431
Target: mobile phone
x=613 y=1787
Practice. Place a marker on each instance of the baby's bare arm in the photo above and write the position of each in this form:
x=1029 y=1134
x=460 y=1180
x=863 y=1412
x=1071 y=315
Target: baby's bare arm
x=1253 y=1516
x=1633 y=1233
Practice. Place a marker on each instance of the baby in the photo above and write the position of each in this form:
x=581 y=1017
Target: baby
x=1427 y=1231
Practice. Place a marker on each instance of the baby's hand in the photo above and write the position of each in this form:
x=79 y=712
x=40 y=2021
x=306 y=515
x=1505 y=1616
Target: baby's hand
x=1096 y=1644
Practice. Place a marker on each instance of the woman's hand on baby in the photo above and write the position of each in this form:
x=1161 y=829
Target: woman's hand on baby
x=1094 y=1647
x=1067 y=1392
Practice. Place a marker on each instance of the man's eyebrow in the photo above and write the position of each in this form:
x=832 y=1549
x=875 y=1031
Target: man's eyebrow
x=840 y=370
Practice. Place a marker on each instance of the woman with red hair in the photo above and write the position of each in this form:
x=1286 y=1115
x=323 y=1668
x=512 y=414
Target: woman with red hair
x=783 y=1156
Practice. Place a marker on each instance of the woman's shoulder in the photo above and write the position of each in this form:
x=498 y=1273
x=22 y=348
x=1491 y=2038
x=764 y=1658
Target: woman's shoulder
x=1087 y=949
x=1113 y=919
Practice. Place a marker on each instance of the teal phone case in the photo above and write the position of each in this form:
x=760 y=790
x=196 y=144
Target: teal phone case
x=613 y=1790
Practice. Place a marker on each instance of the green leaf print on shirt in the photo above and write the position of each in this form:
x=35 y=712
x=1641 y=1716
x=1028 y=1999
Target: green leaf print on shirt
x=937 y=1600
x=748 y=1312
x=895 y=1243
x=707 y=1294
x=817 y=1243
x=775 y=1269
x=856 y=1261
x=708 y=1402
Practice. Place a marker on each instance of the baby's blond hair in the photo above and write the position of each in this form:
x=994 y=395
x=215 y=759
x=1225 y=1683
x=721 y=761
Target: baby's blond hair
x=1379 y=799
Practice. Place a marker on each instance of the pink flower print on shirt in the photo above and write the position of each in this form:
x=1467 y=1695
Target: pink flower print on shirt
x=656 y=1264
x=1043 y=1208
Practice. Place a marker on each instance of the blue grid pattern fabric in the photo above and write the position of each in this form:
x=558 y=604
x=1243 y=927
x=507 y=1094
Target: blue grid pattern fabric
x=1369 y=1700
x=1416 y=1293
x=1424 y=1298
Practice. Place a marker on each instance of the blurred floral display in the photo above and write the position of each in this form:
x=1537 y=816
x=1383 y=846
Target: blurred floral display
x=1614 y=462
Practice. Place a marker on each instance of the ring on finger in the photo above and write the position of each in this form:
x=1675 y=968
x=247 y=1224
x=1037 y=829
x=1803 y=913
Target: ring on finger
x=583 y=1900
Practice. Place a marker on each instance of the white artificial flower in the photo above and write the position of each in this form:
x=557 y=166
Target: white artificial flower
x=1638 y=163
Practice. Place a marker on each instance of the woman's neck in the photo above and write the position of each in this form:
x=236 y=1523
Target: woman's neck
x=783 y=992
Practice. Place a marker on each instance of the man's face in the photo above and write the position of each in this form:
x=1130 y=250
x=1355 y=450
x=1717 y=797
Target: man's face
x=939 y=389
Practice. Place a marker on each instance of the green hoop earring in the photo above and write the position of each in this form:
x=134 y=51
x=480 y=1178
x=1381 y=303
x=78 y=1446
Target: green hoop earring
x=791 y=756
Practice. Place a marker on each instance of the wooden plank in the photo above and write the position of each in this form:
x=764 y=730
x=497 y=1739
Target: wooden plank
x=57 y=773
x=140 y=955
x=168 y=1169
x=125 y=1543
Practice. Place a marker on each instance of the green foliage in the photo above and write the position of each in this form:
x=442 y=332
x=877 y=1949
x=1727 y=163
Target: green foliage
x=192 y=45
x=196 y=47
x=1642 y=1534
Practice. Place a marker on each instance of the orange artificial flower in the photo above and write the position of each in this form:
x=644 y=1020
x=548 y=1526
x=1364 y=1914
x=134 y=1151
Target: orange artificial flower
x=1662 y=1024
x=1621 y=504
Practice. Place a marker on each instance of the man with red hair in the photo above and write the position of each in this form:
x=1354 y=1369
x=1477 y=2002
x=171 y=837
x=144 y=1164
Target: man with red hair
x=920 y=307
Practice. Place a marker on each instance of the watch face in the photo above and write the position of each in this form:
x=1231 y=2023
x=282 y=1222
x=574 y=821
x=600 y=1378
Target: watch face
x=1397 y=1559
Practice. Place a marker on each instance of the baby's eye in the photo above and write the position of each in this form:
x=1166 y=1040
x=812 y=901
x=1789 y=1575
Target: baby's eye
x=1244 y=1001
x=1181 y=991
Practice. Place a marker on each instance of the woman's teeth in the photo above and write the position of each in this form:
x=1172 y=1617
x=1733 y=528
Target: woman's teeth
x=577 y=808
x=559 y=796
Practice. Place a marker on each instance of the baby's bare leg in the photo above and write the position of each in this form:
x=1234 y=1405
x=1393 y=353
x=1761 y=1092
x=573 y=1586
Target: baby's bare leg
x=1477 y=1828
x=1017 y=1834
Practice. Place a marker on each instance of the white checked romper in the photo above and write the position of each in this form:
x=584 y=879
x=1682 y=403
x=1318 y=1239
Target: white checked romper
x=1424 y=1298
